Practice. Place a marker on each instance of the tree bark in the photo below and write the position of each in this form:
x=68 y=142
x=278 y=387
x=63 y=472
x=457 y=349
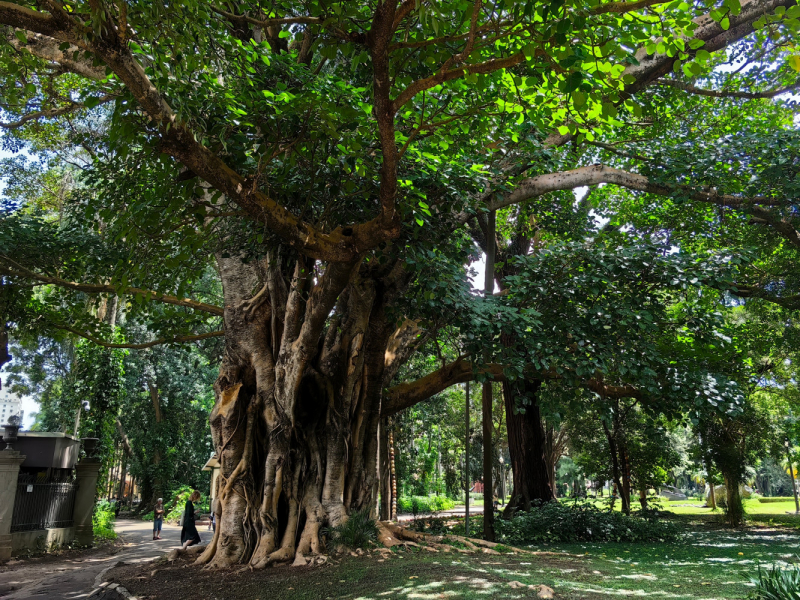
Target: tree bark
x=616 y=470
x=526 y=446
x=157 y=486
x=625 y=463
x=393 y=477
x=734 y=509
x=385 y=507
x=298 y=401
x=488 y=488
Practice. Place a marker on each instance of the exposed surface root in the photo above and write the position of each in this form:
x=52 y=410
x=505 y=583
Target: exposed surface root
x=390 y=534
x=190 y=551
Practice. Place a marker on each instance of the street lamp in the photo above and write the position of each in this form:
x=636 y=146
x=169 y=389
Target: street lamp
x=791 y=470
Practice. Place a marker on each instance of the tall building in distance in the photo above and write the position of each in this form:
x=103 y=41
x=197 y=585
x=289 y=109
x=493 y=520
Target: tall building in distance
x=9 y=406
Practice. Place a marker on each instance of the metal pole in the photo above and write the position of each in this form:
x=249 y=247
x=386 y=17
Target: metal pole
x=466 y=466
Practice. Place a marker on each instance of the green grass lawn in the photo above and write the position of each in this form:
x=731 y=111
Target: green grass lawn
x=708 y=562
x=752 y=506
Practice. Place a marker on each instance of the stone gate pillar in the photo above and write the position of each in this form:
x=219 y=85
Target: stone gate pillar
x=86 y=472
x=10 y=460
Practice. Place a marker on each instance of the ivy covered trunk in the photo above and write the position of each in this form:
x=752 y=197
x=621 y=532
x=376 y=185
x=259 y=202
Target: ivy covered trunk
x=297 y=412
x=526 y=445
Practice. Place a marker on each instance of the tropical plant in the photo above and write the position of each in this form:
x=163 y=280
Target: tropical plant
x=359 y=531
x=777 y=583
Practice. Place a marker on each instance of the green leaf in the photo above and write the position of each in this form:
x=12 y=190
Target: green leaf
x=573 y=81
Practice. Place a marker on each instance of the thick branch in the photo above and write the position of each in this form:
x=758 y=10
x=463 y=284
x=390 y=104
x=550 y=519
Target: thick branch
x=47 y=48
x=25 y=18
x=747 y=291
x=54 y=112
x=179 y=141
x=95 y=288
x=402 y=344
x=728 y=94
x=155 y=398
x=652 y=67
x=596 y=174
x=427 y=83
x=408 y=394
x=126 y=442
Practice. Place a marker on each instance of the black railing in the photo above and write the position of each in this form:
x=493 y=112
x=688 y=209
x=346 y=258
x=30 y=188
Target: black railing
x=43 y=504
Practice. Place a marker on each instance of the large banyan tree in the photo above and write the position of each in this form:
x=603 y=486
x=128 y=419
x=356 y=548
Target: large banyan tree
x=332 y=163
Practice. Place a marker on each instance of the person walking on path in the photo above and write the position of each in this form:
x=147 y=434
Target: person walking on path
x=158 y=518
x=189 y=535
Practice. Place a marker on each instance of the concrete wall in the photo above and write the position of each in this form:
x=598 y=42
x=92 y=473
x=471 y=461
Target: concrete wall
x=40 y=540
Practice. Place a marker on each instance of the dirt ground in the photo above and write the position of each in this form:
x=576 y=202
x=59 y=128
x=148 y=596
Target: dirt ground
x=20 y=575
x=71 y=574
x=407 y=574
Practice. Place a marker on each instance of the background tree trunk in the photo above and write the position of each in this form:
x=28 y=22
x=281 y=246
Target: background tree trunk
x=526 y=446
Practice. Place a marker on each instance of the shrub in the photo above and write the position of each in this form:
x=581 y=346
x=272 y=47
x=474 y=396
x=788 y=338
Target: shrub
x=777 y=584
x=424 y=504
x=555 y=522
x=103 y=520
x=359 y=531
x=776 y=499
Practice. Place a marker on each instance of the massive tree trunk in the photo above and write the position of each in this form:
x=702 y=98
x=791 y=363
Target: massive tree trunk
x=297 y=412
x=526 y=445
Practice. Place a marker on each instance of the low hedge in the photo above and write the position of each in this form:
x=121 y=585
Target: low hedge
x=424 y=504
x=557 y=522
x=774 y=499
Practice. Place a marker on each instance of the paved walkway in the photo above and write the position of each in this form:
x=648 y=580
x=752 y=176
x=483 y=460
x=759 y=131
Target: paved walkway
x=458 y=511
x=74 y=577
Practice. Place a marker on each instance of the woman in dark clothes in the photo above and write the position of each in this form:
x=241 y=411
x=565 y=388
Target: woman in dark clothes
x=189 y=535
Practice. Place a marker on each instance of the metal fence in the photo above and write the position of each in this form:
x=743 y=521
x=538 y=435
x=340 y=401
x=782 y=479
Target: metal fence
x=43 y=504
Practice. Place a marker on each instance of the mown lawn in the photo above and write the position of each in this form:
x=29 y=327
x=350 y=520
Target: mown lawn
x=753 y=508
